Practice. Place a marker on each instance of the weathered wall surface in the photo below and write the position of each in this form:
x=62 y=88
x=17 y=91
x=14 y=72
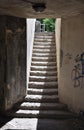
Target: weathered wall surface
x=54 y=8
x=14 y=67
x=2 y=61
x=58 y=43
x=71 y=80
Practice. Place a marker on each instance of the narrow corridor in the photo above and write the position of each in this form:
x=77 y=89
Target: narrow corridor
x=42 y=95
x=41 y=109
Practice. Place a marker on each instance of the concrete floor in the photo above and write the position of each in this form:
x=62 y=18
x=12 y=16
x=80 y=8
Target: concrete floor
x=40 y=124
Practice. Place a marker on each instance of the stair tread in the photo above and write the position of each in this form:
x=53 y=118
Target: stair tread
x=33 y=104
x=44 y=37
x=44 y=51
x=44 y=112
x=43 y=47
x=44 y=33
x=43 y=55
x=44 y=40
x=53 y=67
x=44 y=44
x=42 y=78
x=41 y=97
x=42 y=58
x=44 y=72
x=37 y=63
x=43 y=83
x=43 y=90
x=43 y=68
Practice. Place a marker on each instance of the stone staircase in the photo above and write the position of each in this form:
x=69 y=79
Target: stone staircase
x=42 y=95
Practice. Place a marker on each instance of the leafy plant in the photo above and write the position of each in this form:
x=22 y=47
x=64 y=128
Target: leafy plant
x=49 y=24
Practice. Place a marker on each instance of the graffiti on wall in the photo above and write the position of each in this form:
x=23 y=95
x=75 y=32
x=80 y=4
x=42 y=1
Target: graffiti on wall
x=77 y=74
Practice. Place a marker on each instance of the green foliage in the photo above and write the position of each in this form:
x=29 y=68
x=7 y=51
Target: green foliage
x=49 y=24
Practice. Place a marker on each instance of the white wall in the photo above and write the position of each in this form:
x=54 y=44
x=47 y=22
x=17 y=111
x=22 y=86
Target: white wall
x=71 y=91
x=30 y=39
x=58 y=42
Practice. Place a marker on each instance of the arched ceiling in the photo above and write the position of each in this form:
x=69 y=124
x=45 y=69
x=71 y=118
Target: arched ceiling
x=54 y=8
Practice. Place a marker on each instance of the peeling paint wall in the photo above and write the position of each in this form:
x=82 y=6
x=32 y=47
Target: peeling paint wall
x=71 y=78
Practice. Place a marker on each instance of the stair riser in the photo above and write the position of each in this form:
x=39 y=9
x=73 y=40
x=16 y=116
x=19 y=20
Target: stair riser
x=42 y=80
x=43 y=69
x=43 y=47
x=53 y=116
x=44 y=44
x=45 y=34
x=42 y=100
x=42 y=86
x=43 y=64
x=44 y=51
x=44 y=55
x=42 y=93
x=42 y=74
x=45 y=37
x=42 y=108
x=44 y=59
x=43 y=40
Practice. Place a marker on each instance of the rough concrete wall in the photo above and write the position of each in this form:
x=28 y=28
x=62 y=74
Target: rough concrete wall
x=16 y=60
x=54 y=8
x=2 y=61
x=71 y=82
x=12 y=61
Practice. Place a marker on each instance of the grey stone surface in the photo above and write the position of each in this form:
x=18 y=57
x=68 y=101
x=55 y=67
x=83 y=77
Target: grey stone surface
x=40 y=98
x=43 y=124
x=44 y=43
x=46 y=91
x=43 y=85
x=44 y=51
x=16 y=60
x=43 y=78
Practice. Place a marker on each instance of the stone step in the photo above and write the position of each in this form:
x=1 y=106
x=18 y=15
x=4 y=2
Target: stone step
x=48 y=91
x=41 y=98
x=43 y=47
x=45 y=37
x=42 y=106
x=43 y=73
x=43 y=114
x=44 y=55
x=43 y=85
x=53 y=59
x=44 y=51
x=44 y=34
x=36 y=63
x=43 y=68
x=42 y=78
x=43 y=40
x=44 y=43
